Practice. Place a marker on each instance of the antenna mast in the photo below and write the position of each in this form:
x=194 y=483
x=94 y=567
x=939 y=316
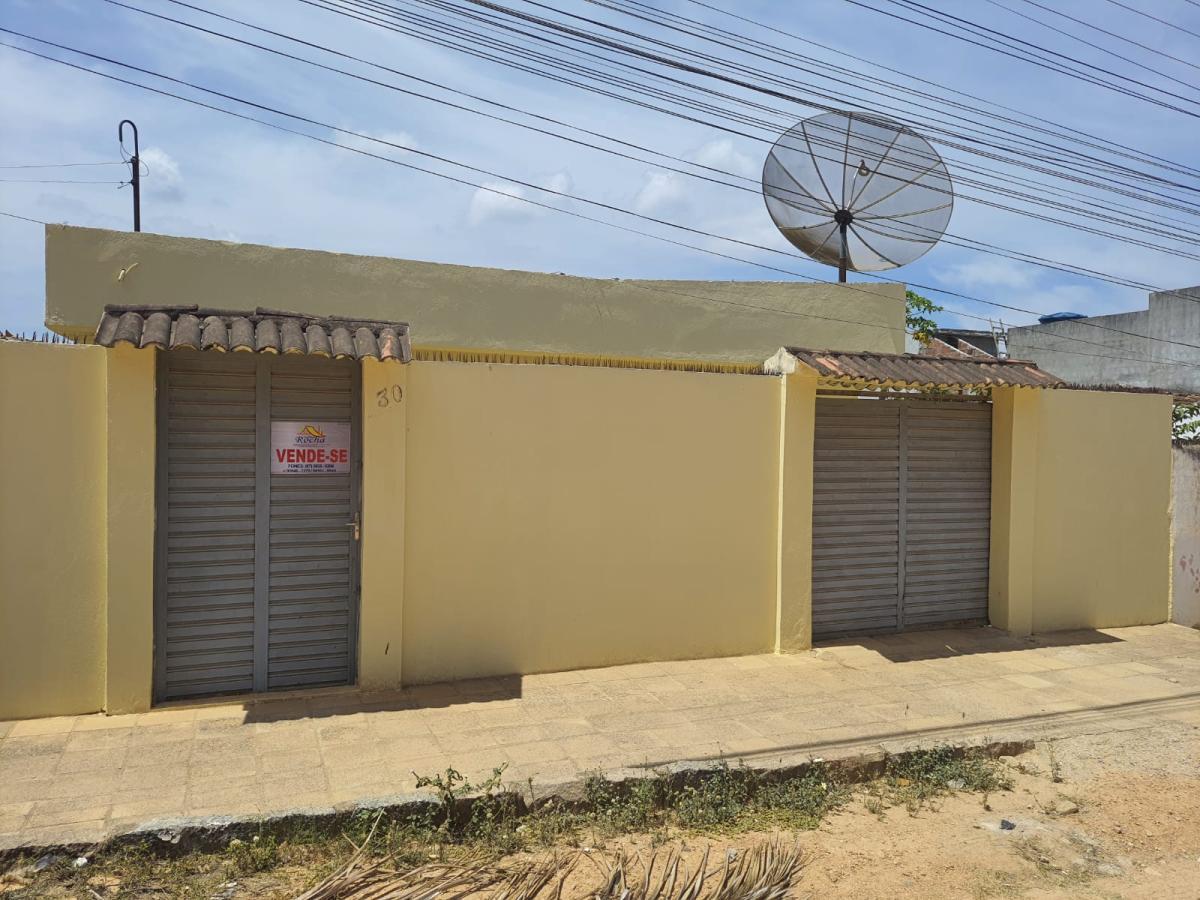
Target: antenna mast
x=136 y=165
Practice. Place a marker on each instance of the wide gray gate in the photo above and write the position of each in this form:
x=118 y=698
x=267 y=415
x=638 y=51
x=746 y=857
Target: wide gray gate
x=901 y=511
x=256 y=573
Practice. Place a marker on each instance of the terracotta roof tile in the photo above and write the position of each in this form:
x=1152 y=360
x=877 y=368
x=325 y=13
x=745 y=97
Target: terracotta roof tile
x=259 y=331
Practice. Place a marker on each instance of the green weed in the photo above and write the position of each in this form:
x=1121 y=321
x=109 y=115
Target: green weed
x=259 y=854
x=923 y=775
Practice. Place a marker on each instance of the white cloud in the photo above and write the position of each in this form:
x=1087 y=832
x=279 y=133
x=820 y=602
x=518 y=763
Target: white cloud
x=721 y=154
x=161 y=177
x=662 y=192
x=503 y=201
x=988 y=271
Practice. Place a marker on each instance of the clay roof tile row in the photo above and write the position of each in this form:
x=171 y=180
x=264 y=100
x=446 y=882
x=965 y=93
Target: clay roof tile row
x=259 y=331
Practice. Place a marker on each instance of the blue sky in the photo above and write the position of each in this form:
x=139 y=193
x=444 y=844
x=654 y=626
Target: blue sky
x=216 y=177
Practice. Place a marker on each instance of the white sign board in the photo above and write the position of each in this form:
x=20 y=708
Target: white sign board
x=310 y=448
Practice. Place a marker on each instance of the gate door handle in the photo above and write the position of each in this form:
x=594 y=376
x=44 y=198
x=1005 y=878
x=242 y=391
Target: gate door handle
x=357 y=528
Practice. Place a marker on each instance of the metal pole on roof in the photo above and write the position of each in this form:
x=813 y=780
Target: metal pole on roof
x=843 y=217
x=136 y=165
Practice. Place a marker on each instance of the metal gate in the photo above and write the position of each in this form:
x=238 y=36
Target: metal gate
x=256 y=574
x=901 y=512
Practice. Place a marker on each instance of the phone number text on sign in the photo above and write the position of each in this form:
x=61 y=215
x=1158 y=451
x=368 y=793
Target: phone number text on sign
x=310 y=448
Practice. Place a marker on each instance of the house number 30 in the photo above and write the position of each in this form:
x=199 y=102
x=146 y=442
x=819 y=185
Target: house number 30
x=389 y=395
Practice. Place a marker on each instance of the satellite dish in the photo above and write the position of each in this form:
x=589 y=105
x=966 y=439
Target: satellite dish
x=857 y=191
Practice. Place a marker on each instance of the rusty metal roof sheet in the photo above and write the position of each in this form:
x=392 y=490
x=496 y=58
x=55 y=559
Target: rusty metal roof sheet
x=258 y=331
x=906 y=370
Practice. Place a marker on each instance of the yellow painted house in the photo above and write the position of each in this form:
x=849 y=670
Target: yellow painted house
x=288 y=470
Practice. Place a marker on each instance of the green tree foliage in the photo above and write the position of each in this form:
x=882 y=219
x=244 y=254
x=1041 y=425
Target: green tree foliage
x=917 y=313
x=1185 y=422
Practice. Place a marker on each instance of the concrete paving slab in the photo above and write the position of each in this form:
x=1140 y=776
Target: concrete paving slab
x=83 y=779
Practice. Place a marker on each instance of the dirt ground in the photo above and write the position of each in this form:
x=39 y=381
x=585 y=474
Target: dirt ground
x=1103 y=815
x=1123 y=821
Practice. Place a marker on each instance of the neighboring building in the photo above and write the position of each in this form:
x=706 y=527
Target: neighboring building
x=957 y=343
x=1145 y=349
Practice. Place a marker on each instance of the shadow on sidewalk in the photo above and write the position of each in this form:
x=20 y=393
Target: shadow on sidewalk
x=944 y=643
x=347 y=701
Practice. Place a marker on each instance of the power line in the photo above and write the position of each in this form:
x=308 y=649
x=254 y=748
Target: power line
x=509 y=61
x=966 y=24
x=55 y=181
x=1045 y=125
x=1112 y=34
x=956 y=240
x=61 y=165
x=514 y=181
x=1161 y=21
x=23 y=218
x=658 y=57
x=657 y=19
x=1093 y=44
x=772 y=126
x=1174 y=235
x=737 y=42
x=1008 y=50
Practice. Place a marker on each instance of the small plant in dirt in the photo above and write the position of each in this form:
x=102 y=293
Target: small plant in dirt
x=259 y=854
x=801 y=801
x=618 y=807
x=719 y=798
x=551 y=824
x=923 y=775
x=491 y=817
x=1055 y=766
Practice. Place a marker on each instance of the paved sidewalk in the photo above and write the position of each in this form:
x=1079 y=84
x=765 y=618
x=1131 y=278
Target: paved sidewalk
x=79 y=779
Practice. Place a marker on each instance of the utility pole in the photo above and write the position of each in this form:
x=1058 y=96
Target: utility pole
x=136 y=165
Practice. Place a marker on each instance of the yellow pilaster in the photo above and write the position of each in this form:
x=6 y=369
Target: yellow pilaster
x=381 y=609
x=130 y=529
x=1014 y=508
x=793 y=600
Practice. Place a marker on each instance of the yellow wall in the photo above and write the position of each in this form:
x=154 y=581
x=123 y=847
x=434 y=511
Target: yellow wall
x=1102 y=555
x=130 y=529
x=1014 y=508
x=381 y=607
x=469 y=307
x=52 y=529
x=793 y=604
x=560 y=517
x=529 y=518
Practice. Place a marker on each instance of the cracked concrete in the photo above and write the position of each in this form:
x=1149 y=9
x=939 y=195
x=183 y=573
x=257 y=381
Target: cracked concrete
x=82 y=779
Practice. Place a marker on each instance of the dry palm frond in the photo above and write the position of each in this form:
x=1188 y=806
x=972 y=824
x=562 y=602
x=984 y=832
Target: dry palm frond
x=378 y=881
x=765 y=872
x=362 y=878
x=529 y=880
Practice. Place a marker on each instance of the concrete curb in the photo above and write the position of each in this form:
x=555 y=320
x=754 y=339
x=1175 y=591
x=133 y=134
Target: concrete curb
x=170 y=836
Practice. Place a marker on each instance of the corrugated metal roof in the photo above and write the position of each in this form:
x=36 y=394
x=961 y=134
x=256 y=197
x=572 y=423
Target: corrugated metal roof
x=839 y=368
x=258 y=331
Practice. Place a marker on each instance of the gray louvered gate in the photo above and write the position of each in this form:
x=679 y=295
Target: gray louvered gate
x=901 y=508
x=256 y=574
x=948 y=512
x=314 y=571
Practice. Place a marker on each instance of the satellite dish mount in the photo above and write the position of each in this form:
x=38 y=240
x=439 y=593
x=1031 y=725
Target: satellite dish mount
x=857 y=191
